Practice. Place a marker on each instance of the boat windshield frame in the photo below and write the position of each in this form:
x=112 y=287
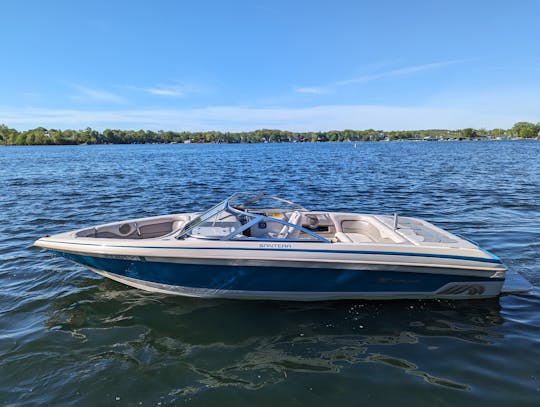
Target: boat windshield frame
x=241 y=209
x=255 y=197
x=202 y=217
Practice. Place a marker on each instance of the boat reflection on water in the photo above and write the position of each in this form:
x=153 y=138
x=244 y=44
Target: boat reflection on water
x=210 y=344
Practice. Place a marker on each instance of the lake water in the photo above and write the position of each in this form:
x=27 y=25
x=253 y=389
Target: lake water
x=70 y=337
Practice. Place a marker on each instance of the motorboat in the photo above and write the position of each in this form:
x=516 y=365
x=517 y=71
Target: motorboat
x=258 y=246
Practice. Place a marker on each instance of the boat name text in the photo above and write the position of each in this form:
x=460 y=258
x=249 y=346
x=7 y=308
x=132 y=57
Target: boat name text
x=275 y=245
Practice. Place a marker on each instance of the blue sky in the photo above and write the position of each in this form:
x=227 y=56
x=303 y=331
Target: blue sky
x=292 y=65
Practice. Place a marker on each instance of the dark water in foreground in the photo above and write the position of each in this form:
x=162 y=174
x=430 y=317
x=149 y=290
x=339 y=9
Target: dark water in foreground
x=69 y=337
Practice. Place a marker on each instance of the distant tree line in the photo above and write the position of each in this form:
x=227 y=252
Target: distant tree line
x=43 y=136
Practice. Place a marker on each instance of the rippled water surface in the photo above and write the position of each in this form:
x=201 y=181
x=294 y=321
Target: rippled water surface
x=69 y=337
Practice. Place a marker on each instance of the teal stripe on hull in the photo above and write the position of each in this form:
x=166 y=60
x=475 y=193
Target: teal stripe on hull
x=251 y=278
x=494 y=259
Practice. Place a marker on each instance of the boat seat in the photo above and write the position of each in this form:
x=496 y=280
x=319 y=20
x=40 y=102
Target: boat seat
x=359 y=238
x=290 y=232
x=352 y=238
x=342 y=237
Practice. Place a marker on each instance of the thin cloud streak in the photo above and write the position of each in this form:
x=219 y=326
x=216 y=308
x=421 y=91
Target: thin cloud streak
x=397 y=72
x=376 y=76
x=178 y=90
x=313 y=91
x=164 y=92
x=87 y=94
x=167 y=90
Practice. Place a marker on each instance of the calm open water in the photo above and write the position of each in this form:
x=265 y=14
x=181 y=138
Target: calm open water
x=69 y=337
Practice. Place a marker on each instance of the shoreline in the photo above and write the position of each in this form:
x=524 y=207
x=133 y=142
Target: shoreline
x=280 y=142
x=43 y=136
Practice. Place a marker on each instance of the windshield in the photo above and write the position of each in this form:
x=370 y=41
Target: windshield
x=202 y=218
x=242 y=217
x=247 y=200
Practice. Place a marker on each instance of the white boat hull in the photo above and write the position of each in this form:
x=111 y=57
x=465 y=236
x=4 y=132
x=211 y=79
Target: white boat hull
x=296 y=275
x=232 y=252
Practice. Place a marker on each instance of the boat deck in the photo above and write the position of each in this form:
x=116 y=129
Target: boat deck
x=347 y=228
x=357 y=228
